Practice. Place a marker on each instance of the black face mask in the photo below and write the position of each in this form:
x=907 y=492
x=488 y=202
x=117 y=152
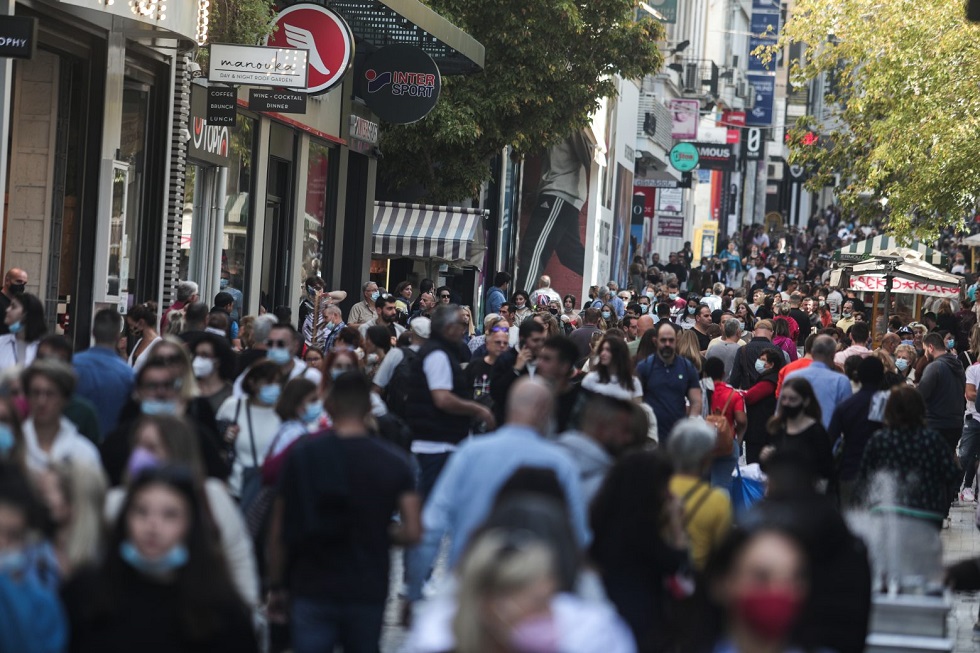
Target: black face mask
x=553 y=311
x=792 y=411
x=18 y=288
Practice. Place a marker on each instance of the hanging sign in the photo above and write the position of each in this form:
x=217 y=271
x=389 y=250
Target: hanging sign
x=254 y=65
x=18 y=37
x=222 y=108
x=209 y=143
x=279 y=101
x=399 y=83
x=322 y=32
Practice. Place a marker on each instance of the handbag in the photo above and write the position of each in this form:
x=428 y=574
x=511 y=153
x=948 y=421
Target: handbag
x=725 y=438
x=254 y=500
x=746 y=492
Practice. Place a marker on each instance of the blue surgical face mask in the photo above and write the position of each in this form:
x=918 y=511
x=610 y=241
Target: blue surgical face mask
x=278 y=355
x=7 y=441
x=269 y=394
x=375 y=295
x=910 y=343
x=672 y=295
x=335 y=373
x=158 y=407
x=172 y=560
x=312 y=413
x=950 y=344
x=690 y=310
x=606 y=315
x=223 y=283
x=741 y=326
x=901 y=364
x=760 y=365
x=15 y=328
x=12 y=562
x=644 y=308
x=141 y=459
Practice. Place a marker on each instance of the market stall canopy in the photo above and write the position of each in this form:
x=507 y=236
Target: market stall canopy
x=972 y=241
x=442 y=233
x=912 y=275
x=865 y=249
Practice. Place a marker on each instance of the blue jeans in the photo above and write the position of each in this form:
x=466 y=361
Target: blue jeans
x=969 y=450
x=721 y=469
x=430 y=466
x=318 y=625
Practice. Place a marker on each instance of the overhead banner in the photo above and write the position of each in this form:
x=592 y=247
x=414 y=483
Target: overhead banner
x=715 y=156
x=684 y=115
x=765 y=91
x=322 y=32
x=876 y=283
x=764 y=30
x=399 y=83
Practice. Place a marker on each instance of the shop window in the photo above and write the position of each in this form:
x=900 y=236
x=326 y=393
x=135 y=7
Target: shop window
x=314 y=215
x=238 y=217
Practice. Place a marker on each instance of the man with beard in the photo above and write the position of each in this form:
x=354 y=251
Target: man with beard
x=668 y=380
x=942 y=387
x=604 y=432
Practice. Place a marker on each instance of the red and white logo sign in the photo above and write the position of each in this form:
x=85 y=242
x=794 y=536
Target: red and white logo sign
x=327 y=37
x=734 y=121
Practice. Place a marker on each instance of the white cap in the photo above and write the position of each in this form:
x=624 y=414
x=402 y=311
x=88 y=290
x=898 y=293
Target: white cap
x=422 y=327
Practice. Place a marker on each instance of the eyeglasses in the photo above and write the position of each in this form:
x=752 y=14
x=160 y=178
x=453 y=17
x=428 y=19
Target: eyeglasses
x=443 y=296
x=277 y=343
x=158 y=386
x=500 y=329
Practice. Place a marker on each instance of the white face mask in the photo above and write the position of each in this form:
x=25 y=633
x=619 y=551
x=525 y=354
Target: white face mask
x=202 y=366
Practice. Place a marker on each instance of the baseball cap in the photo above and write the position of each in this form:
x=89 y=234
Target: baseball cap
x=422 y=327
x=905 y=331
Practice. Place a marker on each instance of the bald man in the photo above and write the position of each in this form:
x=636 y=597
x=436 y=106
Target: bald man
x=14 y=283
x=643 y=324
x=464 y=494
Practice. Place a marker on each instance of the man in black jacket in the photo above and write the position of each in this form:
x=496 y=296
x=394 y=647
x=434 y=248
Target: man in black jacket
x=515 y=363
x=942 y=387
x=744 y=375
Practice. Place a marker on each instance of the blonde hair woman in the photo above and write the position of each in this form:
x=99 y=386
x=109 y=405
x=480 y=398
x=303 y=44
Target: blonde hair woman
x=688 y=347
x=471 y=328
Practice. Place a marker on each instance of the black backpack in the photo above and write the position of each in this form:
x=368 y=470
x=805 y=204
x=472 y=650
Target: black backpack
x=396 y=394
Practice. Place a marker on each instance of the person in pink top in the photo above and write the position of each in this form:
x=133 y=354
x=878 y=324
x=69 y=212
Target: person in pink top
x=859 y=333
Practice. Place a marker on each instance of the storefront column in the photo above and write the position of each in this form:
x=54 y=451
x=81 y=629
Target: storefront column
x=6 y=76
x=260 y=169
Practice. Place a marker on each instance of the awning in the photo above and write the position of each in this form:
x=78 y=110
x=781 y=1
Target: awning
x=911 y=275
x=864 y=249
x=442 y=233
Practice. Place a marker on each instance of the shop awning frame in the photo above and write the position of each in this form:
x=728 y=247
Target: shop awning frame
x=447 y=234
x=377 y=23
x=863 y=250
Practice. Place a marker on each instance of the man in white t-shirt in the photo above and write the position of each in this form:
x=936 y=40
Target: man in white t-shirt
x=544 y=292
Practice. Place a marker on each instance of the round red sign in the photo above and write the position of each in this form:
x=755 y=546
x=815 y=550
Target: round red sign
x=324 y=34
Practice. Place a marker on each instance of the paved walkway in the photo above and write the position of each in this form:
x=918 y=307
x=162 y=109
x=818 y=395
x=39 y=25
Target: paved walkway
x=960 y=541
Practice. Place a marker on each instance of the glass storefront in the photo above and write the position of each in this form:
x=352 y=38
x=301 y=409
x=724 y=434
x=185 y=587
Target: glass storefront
x=237 y=223
x=132 y=151
x=316 y=211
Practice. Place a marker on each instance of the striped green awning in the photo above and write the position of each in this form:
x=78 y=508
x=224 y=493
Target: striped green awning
x=865 y=249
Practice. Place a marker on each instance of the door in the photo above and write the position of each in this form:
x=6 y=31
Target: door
x=277 y=239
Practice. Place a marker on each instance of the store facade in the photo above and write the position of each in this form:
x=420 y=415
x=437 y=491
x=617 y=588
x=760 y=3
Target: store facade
x=88 y=124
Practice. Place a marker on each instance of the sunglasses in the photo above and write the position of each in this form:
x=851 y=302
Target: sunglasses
x=443 y=296
x=172 y=359
x=500 y=329
x=277 y=343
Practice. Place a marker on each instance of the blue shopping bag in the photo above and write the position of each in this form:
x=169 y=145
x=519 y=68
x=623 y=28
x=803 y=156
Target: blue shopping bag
x=746 y=492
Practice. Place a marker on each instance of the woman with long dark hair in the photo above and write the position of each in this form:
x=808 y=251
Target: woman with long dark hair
x=760 y=401
x=143 y=322
x=797 y=426
x=639 y=543
x=25 y=321
x=163 y=584
x=612 y=373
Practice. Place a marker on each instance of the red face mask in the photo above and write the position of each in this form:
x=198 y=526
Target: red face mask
x=771 y=613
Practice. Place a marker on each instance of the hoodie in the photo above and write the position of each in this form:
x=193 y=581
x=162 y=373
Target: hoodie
x=591 y=459
x=942 y=386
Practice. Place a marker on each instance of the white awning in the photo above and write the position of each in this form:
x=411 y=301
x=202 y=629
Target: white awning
x=442 y=233
x=911 y=275
x=864 y=249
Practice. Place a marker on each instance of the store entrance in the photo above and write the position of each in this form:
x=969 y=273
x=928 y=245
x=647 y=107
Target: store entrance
x=276 y=256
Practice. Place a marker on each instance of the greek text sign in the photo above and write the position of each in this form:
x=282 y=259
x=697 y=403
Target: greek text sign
x=876 y=283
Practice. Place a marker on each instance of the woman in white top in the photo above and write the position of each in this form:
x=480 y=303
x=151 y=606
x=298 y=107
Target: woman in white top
x=252 y=422
x=143 y=322
x=161 y=440
x=612 y=372
x=26 y=324
x=48 y=436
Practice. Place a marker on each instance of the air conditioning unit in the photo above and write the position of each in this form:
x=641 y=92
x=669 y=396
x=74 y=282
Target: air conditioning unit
x=692 y=81
x=741 y=88
x=774 y=171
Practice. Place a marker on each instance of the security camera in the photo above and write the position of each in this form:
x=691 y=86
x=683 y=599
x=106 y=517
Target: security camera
x=195 y=69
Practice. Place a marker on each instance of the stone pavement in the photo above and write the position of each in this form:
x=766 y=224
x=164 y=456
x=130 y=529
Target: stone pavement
x=960 y=541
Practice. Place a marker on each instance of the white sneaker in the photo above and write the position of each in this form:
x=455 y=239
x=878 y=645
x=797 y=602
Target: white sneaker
x=967 y=496
x=947 y=522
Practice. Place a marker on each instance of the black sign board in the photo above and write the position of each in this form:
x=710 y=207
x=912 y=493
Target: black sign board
x=222 y=106
x=18 y=37
x=399 y=83
x=715 y=156
x=279 y=101
x=209 y=143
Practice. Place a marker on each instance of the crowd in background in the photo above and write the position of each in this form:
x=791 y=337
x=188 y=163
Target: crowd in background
x=204 y=480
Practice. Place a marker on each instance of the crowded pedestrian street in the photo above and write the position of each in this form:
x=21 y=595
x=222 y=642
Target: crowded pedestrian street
x=453 y=326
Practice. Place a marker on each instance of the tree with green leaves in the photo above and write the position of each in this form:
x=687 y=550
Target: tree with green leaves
x=548 y=63
x=902 y=108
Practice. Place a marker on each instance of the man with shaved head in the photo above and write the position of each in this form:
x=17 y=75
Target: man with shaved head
x=14 y=283
x=464 y=494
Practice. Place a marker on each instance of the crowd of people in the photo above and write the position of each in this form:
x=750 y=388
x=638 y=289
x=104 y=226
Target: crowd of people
x=204 y=480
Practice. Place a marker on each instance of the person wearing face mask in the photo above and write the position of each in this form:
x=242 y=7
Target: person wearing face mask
x=213 y=366
x=760 y=402
x=520 y=307
x=162 y=583
x=167 y=440
x=32 y=617
x=796 y=426
x=25 y=328
x=364 y=311
x=142 y=323
x=759 y=579
x=225 y=285
x=14 y=284
x=282 y=347
x=252 y=422
x=377 y=344
x=943 y=388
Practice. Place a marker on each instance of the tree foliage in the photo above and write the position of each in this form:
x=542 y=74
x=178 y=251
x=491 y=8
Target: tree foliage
x=548 y=62
x=903 y=107
x=238 y=21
